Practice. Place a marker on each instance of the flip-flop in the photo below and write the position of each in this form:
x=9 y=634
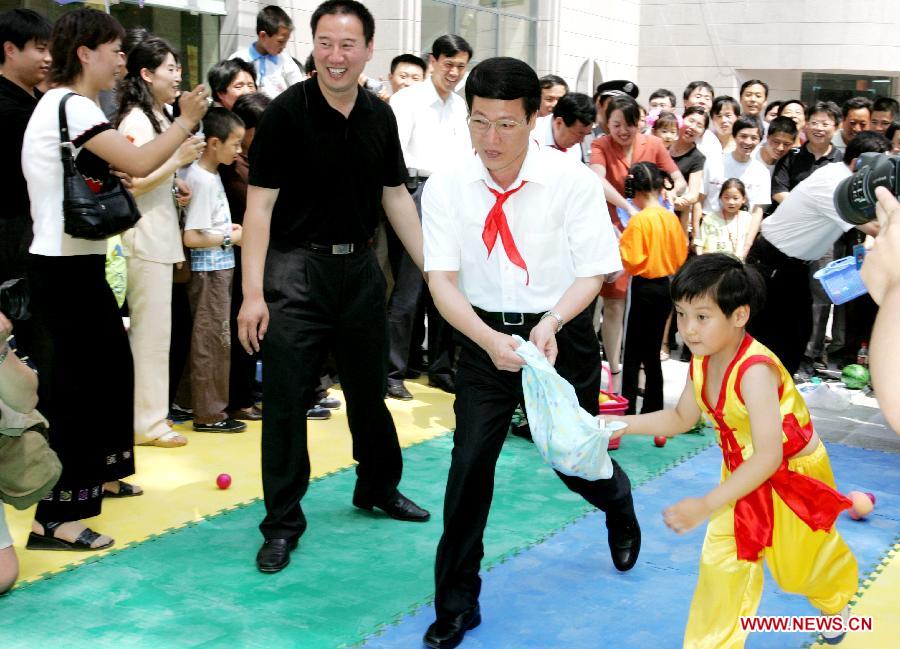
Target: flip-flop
x=126 y=490
x=49 y=542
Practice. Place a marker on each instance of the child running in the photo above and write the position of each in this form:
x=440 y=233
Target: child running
x=726 y=230
x=777 y=498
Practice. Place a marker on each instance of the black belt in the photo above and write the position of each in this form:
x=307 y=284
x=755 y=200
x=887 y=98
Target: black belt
x=508 y=318
x=335 y=248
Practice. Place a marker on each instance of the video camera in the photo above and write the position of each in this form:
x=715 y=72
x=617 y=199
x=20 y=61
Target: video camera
x=14 y=299
x=855 y=198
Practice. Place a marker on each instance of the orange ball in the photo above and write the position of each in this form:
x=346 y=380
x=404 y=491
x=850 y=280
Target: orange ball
x=862 y=505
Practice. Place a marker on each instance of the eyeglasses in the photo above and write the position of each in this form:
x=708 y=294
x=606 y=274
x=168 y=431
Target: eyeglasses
x=502 y=126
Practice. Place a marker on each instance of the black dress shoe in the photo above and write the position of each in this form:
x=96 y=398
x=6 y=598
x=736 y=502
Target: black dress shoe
x=446 y=634
x=624 y=536
x=396 y=390
x=397 y=506
x=275 y=554
x=442 y=382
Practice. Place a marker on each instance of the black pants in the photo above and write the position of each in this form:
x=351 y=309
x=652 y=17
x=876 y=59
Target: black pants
x=243 y=365
x=785 y=322
x=88 y=360
x=317 y=303
x=485 y=400
x=648 y=307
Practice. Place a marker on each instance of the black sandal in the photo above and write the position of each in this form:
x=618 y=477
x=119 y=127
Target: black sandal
x=47 y=541
x=126 y=490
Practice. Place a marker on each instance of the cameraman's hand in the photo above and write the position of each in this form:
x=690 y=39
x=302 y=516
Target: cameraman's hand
x=880 y=271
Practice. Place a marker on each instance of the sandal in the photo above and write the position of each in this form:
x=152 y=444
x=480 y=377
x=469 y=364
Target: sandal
x=126 y=490
x=171 y=439
x=50 y=542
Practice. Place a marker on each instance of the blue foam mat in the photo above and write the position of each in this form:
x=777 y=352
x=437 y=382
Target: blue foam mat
x=566 y=593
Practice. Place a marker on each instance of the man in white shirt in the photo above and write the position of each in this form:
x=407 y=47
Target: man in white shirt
x=803 y=228
x=275 y=69
x=431 y=121
x=855 y=115
x=516 y=242
x=570 y=122
x=741 y=165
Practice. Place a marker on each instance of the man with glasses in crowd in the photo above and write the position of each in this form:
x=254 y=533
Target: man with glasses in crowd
x=517 y=241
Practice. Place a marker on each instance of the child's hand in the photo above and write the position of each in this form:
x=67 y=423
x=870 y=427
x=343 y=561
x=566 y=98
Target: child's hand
x=687 y=514
x=237 y=233
x=604 y=419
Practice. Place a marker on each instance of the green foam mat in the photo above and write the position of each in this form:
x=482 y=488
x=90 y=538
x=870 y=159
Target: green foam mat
x=353 y=573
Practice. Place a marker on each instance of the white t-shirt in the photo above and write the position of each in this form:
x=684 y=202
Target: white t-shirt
x=273 y=74
x=209 y=211
x=806 y=224
x=753 y=173
x=757 y=155
x=42 y=168
x=558 y=220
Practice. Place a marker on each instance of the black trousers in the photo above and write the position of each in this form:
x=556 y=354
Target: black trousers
x=785 y=322
x=485 y=400
x=649 y=306
x=320 y=303
x=243 y=365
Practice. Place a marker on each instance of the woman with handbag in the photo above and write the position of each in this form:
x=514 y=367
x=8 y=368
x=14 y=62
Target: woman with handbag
x=68 y=150
x=153 y=245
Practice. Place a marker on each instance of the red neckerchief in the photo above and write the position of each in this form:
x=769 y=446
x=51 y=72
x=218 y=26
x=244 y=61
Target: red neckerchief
x=496 y=223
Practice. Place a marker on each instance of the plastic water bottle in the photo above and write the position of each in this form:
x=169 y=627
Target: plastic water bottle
x=862 y=356
x=817 y=394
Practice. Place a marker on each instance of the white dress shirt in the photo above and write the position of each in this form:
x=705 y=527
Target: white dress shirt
x=281 y=71
x=434 y=133
x=543 y=133
x=558 y=220
x=806 y=224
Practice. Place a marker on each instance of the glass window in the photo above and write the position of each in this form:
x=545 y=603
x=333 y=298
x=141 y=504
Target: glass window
x=480 y=29
x=517 y=37
x=438 y=18
x=816 y=86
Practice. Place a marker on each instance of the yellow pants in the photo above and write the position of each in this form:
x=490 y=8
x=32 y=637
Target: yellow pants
x=818 y=565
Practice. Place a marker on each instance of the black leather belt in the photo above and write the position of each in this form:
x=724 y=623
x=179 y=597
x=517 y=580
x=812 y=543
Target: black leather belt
x=335 y=248
x=508 y=318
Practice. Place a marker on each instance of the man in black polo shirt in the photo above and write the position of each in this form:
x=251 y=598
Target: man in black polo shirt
x=25 y=58
x=326 y=154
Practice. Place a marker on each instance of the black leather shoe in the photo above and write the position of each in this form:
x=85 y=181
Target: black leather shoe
x=275 y=554
x=442 y=382
x=397 y=506
x=446 y=634
x=396 y=390
x=624 y=535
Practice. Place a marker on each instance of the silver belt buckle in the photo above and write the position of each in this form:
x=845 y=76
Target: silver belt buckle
x=519 y=322
x=342 y=249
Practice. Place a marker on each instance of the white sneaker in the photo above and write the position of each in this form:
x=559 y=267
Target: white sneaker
x=836 y=636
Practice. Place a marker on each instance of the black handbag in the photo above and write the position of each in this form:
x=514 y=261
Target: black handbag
x=89 y=215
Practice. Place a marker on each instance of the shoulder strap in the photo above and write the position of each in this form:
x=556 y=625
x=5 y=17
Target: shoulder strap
x=63 y=124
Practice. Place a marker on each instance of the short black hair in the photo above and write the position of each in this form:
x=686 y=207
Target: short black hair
x=754 y=82
x=450 y=44
x=87 y=27
x=746 y=122
x=892 y=130
x=662 y=92
x=506 y=78
x=724 y=279
x=134 y=36
x=697 y=110
x=866 y=142
x=309 y=65
x=345 y=7
x=629 y=107
x=19 y=26
x=550 y=80
x=855 y=103
x=220 y=122
x=412 y=59
x=886 y=105
x=223 y=73
x=724 y=101
x=575 y=106
x=665 y=119
x=250 y=108
x=271 y=18
x=783 y=125
x=773 y=104
x=646 y=177
x=828 y=107
x=693 y=85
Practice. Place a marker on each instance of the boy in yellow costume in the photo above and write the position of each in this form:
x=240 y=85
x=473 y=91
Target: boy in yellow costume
x=776 y=500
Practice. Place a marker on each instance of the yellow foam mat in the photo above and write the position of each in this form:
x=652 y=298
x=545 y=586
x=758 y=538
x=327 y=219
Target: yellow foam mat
x=878 y=598
x=179 y=483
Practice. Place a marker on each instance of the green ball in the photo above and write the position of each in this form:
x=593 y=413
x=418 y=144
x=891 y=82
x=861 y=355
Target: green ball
x=855 y=377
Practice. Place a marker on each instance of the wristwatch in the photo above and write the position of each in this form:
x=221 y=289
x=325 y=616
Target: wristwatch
x=559 y=319
x=226 y=242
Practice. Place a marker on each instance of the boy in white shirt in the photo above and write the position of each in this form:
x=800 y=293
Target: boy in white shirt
x=210 y=234
x=275 y=69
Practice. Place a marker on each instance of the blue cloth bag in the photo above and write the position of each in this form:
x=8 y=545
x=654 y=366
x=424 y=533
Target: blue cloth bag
x=568 y=438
